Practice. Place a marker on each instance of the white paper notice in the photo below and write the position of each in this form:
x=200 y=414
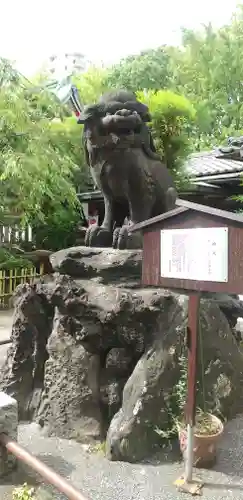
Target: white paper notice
x=195 y=254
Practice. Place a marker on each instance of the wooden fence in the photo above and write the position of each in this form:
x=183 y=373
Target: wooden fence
x=11 y=278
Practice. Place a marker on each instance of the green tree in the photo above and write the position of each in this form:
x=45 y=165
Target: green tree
x=91 y=84
x=172 y=117
x=148 y=70
x=208 y=70
x=40 y=158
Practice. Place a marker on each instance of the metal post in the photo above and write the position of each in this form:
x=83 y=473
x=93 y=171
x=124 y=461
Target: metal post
x=186 y=483
x=192 y=337
x=45 y=472
x=189 y=454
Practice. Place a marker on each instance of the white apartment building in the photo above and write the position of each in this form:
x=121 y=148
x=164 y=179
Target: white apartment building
x=74 y=62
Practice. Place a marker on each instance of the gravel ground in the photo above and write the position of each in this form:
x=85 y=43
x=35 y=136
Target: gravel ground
x=100 y=479
x=6 y=318
x=3 y=353
x=5 y=330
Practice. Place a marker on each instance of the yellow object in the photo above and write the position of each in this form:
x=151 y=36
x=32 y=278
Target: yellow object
x=11 y=278
x=194 y=487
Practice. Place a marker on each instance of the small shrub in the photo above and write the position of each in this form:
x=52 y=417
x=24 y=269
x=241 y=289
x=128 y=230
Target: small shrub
x=172 y=117
x=24 y=492
x=176 y=403
x=10 y=260
x=100 y=448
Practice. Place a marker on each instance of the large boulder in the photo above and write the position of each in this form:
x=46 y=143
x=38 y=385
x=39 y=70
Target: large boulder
x=151 y=391
x=106 y=264
x=124 y=268
x=94 y=356
x=23 y=373
x=70 y=400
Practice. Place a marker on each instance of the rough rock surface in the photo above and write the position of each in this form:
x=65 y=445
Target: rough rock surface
x=23 y=372
x=70 y=399
x=92 y=355
x=147 y=394
x=107 y=264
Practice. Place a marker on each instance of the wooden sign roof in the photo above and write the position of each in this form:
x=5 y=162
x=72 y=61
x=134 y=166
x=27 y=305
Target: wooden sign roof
x=183 y=206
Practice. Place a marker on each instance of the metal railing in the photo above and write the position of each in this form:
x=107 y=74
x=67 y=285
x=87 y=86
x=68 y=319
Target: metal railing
x=49 y=475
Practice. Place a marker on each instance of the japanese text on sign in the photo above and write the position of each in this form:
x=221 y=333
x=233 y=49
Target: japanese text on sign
x=195 y=254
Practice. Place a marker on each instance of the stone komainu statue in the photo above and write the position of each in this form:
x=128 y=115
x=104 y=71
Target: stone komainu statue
x=122 y=158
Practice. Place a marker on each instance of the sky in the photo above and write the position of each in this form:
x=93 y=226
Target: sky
x=104 y=30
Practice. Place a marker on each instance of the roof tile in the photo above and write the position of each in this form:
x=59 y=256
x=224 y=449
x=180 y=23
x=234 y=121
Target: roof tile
x=201 y=164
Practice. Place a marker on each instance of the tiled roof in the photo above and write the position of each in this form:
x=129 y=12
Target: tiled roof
x=202 y=164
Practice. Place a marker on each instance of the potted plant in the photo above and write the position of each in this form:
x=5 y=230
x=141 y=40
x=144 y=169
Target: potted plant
x=208 y=428
x=207 y=433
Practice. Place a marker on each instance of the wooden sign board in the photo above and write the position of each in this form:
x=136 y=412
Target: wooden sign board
x=193 y=247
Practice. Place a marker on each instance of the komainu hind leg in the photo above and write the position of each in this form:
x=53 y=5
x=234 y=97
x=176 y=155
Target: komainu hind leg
x=101 y=236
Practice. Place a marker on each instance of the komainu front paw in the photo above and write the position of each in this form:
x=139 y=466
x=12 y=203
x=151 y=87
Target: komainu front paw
x=122 y=239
